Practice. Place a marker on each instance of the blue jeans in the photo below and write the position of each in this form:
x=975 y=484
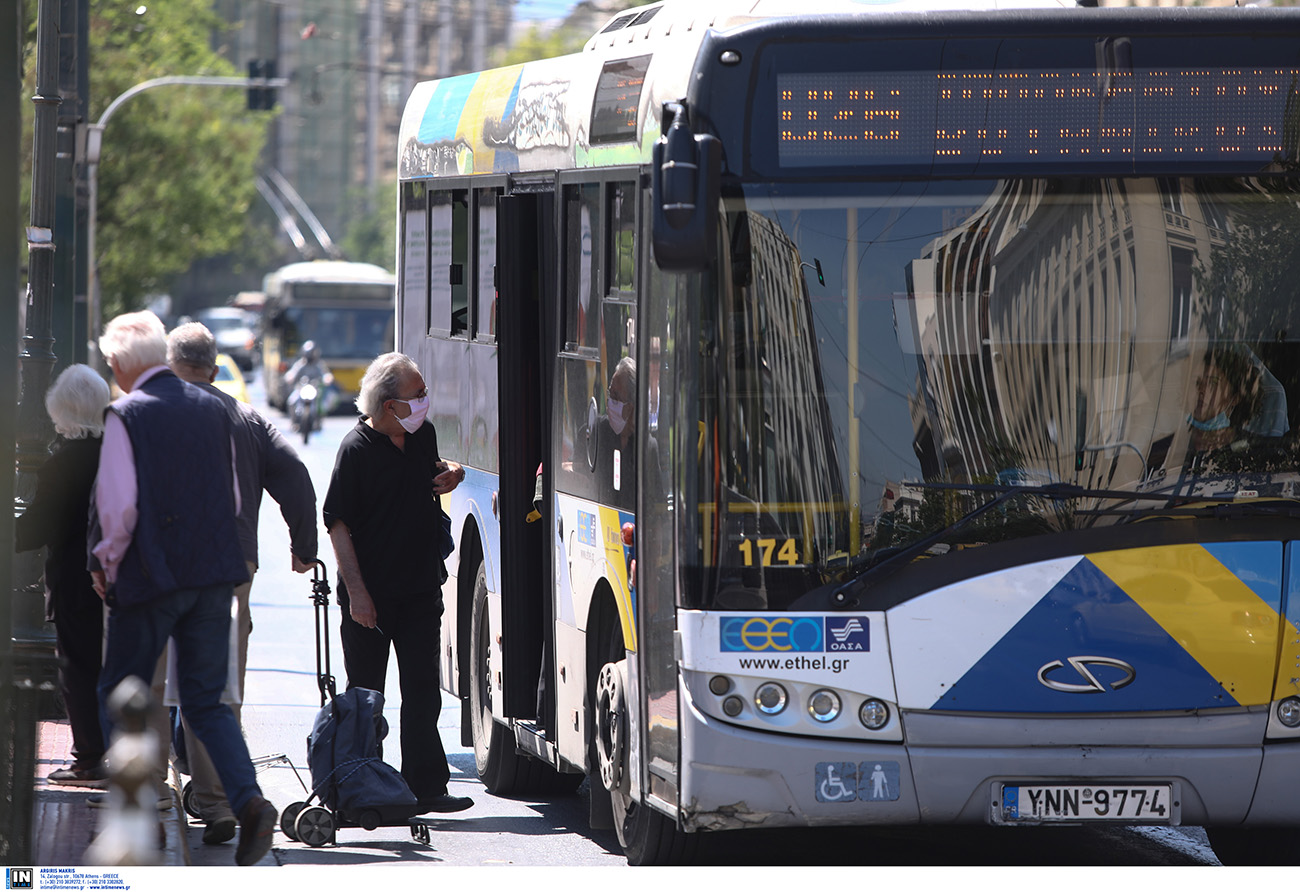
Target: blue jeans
x=198 y=620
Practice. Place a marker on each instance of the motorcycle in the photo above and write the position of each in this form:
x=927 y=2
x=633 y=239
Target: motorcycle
x=305 y=407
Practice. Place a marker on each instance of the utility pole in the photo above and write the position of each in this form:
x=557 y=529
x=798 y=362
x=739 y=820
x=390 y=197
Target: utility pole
x=445 y=23
x=15 y=822
x=33 y=658
x=374 y=37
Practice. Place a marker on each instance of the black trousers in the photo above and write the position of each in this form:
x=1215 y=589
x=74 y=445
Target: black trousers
x=79 y=642
x=411 y=625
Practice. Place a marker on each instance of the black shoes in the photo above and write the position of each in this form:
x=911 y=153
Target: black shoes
x=219 y=830
x=256 y=827
x=94 y=776
x=445 y=803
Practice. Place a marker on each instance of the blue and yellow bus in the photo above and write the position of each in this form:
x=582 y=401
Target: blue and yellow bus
x=879 y=415
x=344 y=307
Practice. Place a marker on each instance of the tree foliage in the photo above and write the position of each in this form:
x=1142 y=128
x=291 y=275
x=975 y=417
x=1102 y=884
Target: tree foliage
x=177 y=168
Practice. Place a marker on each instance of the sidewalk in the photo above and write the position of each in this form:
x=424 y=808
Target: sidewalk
x=64 y=824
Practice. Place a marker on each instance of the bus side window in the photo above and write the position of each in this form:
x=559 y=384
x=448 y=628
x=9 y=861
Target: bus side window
x=415 y=262
x=440 y=260
x=485 y=323
x=458 y=271
x=581 y=317
x=622 y=237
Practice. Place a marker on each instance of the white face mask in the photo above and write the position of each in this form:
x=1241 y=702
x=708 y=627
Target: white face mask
x=616 y=420
x=419 y=409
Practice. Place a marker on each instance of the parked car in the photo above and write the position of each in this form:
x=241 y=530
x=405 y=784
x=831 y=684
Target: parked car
x=235 y=331
x=229 y=378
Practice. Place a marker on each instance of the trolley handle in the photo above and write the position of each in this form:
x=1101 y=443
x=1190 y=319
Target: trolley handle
x=320 y=597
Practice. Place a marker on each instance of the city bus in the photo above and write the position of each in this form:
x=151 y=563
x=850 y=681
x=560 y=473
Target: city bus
x=345 y=307
x=873 y=416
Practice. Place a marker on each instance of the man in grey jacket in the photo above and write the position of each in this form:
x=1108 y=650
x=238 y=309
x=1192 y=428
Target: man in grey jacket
x=264 y=461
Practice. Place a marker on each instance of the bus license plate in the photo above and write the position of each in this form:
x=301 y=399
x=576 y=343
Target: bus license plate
x=1145 y=803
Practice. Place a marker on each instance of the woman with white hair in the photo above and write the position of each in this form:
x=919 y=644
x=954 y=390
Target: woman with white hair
x=58 y=518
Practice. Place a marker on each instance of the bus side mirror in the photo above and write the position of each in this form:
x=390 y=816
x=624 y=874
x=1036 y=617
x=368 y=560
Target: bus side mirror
x=684 y=188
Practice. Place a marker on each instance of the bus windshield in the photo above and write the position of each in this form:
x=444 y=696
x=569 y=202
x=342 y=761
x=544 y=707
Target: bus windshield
x=341 y=332
x=888 y=357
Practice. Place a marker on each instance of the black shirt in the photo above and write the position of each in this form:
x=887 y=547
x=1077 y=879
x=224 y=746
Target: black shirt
x=385 y=496
x=58 y=516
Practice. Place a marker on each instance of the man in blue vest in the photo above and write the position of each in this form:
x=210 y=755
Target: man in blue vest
x=166 y=555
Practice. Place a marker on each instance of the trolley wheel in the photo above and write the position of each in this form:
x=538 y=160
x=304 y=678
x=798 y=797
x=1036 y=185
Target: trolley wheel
x=188 y=801
x=289 y=817
x=314 y=826
x=368 y=819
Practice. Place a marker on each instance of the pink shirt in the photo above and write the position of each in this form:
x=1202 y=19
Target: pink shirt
x=116 y=488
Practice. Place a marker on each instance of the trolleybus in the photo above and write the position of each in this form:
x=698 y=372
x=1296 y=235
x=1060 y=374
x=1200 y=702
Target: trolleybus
x=344 y=307
x=885 y=415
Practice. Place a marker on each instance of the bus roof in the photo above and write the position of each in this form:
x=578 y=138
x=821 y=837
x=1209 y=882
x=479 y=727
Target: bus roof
x=539 y=115
x=327 y=271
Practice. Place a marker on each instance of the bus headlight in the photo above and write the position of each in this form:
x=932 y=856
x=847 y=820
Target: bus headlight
x=824 y=705
x=1288 y=712
x=770 y=698
x=873 y=714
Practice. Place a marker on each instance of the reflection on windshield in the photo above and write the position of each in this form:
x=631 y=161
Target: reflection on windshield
x=1123 y=335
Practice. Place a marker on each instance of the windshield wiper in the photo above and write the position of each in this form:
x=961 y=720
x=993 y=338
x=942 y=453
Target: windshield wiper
x=884 y=562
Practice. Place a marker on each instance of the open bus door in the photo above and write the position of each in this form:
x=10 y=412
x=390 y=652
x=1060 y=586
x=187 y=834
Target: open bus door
x=526 y=265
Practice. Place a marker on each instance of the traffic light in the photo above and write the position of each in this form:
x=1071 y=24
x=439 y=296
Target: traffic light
x=261 y=98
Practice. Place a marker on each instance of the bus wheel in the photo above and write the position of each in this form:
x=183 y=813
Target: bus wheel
x=611 y=733
x=494 y=753
x=503 y=770
x=1253 y=846
x=647 y=836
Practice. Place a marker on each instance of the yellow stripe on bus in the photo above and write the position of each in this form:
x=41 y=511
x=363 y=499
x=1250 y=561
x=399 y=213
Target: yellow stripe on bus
x=611 y=530
x=1212 y=614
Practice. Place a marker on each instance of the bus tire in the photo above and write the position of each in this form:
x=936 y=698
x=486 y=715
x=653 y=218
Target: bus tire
x=503 y=769
x=647 y=836
x=651 y=838
x=1253 y=846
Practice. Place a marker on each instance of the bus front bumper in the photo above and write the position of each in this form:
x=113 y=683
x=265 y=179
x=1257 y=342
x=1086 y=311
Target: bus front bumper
x=737 y=778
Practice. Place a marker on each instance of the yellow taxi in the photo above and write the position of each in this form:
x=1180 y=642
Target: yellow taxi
x=229 y=378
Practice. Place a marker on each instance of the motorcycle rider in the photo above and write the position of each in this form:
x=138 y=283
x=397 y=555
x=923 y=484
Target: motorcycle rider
x=308 y=367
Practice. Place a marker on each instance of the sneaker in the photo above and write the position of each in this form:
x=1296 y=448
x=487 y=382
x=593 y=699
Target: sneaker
x=256 y=827
x=100 y=800
x=95 y=776
x=219 y=830
x=445 y=803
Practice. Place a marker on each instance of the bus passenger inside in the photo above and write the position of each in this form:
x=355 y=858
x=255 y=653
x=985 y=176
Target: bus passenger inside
x=614 y=458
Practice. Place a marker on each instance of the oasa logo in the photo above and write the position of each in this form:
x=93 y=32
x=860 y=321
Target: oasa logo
x=792 y=634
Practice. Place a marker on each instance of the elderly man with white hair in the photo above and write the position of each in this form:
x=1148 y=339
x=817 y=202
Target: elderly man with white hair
x=385 y=522
x=168 y=549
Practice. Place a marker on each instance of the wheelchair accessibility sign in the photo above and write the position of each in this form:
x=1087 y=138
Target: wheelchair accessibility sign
x=857 y=781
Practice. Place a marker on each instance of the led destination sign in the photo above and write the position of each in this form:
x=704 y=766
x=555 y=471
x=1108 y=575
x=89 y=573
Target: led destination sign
x=971 y=118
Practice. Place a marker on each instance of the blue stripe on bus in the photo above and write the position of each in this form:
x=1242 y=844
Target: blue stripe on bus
x=1085 y=615
x=1254 y=563
x=442 y=115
